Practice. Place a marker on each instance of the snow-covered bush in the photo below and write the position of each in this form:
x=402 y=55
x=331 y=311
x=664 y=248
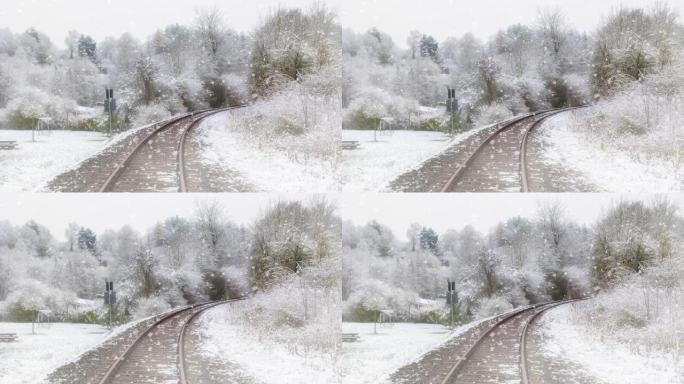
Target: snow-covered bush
x=301 y=312
x=372 y=104
x=29 y=104
x=492 y=114
x=149 y=114
x=291 y=236
x=302 y=120
x=150 y=306
x=631 y=237
x=642 y=121
x=644 y=311
x=290 y=44
x=29 y=296
x=492 y=306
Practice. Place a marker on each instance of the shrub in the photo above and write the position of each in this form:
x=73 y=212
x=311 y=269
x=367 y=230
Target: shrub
x=434 y=124
x=90 y=317
x=362 y=314
x=628 y=319
x=433 y=317
x=149 y=114
x=17 y=313
x=150 y=306
x=492 y=114
x=359 y=120
x=287 y=319
x=17 y=120
x=491 y=306
x=91 y=124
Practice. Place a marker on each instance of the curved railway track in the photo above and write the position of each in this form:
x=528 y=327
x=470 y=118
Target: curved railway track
x=504 y=344
x=156 y=349
x=158 y=161
x=502 y=154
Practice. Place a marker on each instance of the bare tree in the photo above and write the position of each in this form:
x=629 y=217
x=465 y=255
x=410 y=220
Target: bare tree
x=211 y=28
x=210 y=222
x=552 y=24
x=145 y=75
x=413 y=42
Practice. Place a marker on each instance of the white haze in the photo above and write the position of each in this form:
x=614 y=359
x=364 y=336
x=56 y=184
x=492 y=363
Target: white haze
x=483 y=18
x=103 y=18
x=482 y=211
x=140 y=211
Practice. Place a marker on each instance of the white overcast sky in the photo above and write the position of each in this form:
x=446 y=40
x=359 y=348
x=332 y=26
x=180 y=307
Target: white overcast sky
x=398 y=211
x=441 y=18
x=482 y=211
x=483 y=18
x=113 y=211
x=102 y=18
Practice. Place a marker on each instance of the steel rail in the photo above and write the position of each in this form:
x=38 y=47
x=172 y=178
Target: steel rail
x=182 y=182
x=111 y=372
x=460 y=170
x=524 y=174
x=182 y=370
x=453 y=372
x=451 y=375
x=524 y=366
x=114 y=176
x=116 y=365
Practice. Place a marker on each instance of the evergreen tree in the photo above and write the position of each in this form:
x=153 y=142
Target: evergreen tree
x=429 y=240
x=429 y=47
x=87 y=240
x=87 y=47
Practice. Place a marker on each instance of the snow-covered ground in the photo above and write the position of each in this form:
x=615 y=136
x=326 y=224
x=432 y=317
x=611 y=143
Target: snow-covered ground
x=267 y=362
x=384 y=156
x=32 y=164
x=603 y=358
x=610 y=169
x=375 y=356
x=31 y=358
x=263 y=166
x=377 y=162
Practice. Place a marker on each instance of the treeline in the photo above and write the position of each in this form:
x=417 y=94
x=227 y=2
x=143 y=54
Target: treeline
x=520 y=69
x=520 y=261
x=179 y=68
x=176 y=262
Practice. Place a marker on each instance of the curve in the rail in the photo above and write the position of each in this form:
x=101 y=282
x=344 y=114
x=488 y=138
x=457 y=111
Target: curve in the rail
x=524 y=182
x=458 y=174
x=524 y=366
x=182 y=370
x=464 y=360
x=111 y=180
x=182 y=182
x=111 y=372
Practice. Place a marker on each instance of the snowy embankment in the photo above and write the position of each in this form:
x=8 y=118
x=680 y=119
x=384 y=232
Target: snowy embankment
x=260 y=358
x=605 y=164
x=29 y=167
x=32 y=164
x=277 y=162
x=375 y=357
x=383 y=157
x=33 y=356
x=604 y=357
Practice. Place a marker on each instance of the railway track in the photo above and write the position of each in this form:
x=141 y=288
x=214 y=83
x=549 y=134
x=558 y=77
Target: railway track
x=502 y=346
x=158 y=161
x=158 y=353
x=499 y=162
